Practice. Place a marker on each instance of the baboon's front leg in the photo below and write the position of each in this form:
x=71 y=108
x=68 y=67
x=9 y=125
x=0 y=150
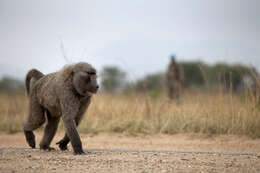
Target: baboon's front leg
x=71 y=131
x=65 y=140
x=70 y=106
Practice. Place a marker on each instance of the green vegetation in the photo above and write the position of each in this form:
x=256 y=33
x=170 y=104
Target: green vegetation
x=9 y=84
x=113 y=78
x=201 y=76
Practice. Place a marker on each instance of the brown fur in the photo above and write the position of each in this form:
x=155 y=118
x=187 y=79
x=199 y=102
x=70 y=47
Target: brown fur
x=174 y=80
x=66 y=94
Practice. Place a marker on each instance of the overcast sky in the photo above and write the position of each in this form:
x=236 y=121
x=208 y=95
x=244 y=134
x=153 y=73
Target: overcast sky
x=137 y=35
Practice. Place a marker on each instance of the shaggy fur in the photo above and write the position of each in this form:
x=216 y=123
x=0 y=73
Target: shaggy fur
x=64 y=94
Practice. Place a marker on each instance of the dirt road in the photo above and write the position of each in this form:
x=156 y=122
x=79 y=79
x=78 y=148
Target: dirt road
x=120 y=153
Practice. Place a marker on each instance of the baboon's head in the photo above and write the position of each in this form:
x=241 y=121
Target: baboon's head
x=85 y=79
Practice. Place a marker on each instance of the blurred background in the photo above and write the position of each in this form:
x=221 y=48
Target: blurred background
x=216 y=45
x=137 y=36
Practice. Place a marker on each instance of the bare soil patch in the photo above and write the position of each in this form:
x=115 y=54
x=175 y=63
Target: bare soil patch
x=16 y=156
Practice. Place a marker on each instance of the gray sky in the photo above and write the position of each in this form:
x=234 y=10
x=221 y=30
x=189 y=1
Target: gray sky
x=137 y=35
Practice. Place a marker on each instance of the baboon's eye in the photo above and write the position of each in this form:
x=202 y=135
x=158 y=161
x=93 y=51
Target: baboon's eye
x=91 y=73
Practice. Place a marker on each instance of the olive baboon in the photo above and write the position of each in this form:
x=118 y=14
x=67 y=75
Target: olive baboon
x=174 y=79
x=66 y=94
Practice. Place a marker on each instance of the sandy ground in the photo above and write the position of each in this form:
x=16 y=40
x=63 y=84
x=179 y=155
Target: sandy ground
x=121 y=153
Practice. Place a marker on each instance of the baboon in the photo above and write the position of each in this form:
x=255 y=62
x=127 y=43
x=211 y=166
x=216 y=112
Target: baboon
x=64 y=94
x=174 y=79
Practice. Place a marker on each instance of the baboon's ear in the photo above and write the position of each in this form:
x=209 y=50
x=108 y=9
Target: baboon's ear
x=79 y=82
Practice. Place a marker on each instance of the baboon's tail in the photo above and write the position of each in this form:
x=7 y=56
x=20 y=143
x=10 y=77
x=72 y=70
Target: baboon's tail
x=35 y=74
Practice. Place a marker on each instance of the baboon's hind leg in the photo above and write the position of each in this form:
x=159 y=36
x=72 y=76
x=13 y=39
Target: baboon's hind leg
x=34 y=120
x=65 y=140
x=49 y=131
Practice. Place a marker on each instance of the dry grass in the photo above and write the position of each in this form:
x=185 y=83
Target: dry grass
x=13 y=110
x=210 y=113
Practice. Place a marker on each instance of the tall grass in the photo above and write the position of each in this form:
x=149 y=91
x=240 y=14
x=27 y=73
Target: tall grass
x=202 y=112
x=13 y=110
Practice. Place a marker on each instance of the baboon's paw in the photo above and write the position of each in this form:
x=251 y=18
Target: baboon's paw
x=47 y=148
x=79 y=152
x=62 y=145
x=30 y=138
